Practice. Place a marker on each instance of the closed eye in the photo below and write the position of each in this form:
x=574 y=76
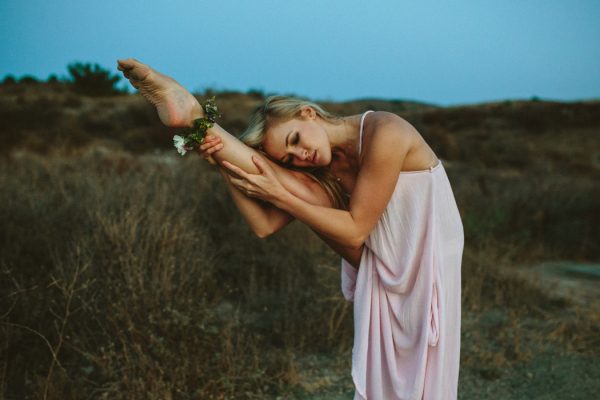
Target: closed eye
x=289 y=159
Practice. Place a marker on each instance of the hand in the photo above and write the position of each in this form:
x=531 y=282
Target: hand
x=211 y=144
x=264 y=186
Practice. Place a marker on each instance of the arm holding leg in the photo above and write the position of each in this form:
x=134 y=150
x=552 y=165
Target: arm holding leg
x=176 y=107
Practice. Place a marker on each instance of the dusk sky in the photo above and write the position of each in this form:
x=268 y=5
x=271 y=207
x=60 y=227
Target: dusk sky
x=442 y=52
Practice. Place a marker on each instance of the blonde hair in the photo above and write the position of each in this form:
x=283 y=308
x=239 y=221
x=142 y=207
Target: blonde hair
x=277 y=109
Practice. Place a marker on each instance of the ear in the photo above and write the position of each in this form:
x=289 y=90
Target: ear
x=307 y=112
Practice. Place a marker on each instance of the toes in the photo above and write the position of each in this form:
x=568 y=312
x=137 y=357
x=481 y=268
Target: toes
x=122 y=65
x=135 y=69
x=127 y=64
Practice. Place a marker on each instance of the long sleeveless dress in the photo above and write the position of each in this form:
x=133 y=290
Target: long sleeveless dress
x=406 y=293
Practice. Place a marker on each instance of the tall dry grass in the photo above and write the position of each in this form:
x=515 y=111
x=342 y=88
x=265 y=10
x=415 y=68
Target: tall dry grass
x=131 y=277
x=134 y=277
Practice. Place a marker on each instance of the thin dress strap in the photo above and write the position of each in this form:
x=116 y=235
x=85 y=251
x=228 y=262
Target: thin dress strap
x=362 y=119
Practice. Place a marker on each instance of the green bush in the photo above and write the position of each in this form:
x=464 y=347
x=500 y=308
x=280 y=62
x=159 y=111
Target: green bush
x=9 y=80
x=28 y=79
x=93 y=80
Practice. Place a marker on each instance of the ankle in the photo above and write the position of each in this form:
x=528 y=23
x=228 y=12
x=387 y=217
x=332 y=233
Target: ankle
x=195 y=113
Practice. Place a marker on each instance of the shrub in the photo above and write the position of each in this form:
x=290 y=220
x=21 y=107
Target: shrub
x=9 y=80
x=28 y=79
x=93 y=80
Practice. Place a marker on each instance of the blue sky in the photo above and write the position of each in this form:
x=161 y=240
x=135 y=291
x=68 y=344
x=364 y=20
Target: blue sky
x=442 y=52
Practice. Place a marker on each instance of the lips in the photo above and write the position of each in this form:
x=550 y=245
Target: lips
x=314 y=157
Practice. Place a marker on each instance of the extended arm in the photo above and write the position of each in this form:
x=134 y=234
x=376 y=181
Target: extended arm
x=264 y=218
x=176 y=107
x=375 y=184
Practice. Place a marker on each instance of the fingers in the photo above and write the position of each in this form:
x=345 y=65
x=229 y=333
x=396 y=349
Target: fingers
x=263 y=167
x=239 y=184
x=210 y=142
x=258 y=162
x=207 y=153
x=210 y=145
x=236 y=170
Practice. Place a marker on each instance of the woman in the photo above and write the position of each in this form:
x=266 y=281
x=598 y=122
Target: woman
x=400 y=233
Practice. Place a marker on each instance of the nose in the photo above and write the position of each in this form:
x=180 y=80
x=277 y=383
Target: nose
x=302 y=155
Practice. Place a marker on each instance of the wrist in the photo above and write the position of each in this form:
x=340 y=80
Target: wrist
x=282 y=199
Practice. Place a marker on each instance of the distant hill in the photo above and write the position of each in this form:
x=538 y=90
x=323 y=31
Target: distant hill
x=506 y=134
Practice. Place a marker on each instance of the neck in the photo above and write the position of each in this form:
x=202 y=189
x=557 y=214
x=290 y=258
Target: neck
x=344 y=136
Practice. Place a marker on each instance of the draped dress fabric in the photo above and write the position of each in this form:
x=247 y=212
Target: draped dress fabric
x=406 y=293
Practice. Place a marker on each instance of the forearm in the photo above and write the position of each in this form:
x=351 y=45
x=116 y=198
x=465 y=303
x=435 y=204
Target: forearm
x=234 y=150
x=238 y=153
x=263 y=218
x=351 y=254
x=299 y=184
x=337 y=225
x=266 y=218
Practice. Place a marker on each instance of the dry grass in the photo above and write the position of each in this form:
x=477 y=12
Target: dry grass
x=128 y=274
x=131 y=277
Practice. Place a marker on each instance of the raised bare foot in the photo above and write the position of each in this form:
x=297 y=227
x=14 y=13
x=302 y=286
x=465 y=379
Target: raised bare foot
x=176 y=106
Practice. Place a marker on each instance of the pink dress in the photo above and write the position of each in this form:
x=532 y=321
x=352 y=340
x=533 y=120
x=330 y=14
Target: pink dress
x=406 y=294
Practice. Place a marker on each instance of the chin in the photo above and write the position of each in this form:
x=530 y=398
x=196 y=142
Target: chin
x=325 y=161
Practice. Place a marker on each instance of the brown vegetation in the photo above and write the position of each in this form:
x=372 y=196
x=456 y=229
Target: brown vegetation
x=125 y=271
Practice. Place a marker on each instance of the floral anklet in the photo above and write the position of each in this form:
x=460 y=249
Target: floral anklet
x=196 y=134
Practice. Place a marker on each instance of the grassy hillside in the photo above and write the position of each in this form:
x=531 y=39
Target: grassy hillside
x=126 y=272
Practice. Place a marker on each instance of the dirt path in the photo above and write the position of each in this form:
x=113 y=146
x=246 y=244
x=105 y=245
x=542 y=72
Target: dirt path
x=578 y=282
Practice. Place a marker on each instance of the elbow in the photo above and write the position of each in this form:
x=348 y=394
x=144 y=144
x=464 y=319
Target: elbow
x=356 y=242
x=264 y=230
x=263 y=233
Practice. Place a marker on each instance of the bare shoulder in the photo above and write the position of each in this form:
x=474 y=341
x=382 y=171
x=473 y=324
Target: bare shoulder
x=387 y=123
x=384 y=130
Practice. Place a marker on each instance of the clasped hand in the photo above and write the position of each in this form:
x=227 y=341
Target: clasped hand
x=264 y=185
x=210 y=145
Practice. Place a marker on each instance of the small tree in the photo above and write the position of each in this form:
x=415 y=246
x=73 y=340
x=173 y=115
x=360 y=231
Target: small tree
x=9 y=80
x=93 y=80
x=28 y=79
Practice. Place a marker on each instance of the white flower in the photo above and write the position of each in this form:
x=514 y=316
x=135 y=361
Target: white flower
x=179 y=143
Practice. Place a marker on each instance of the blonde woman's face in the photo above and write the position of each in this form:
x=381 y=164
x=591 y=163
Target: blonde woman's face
x=298 y=142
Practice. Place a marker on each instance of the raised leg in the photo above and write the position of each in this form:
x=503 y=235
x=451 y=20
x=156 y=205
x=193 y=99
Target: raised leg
x=176 y=106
